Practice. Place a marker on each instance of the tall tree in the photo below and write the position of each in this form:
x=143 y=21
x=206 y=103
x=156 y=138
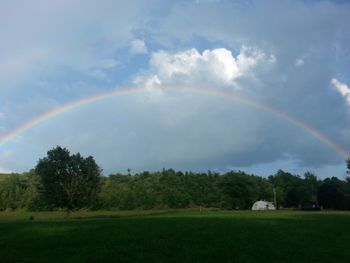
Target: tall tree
x=68 y=181
x=311 y=184
x=240 y=190
x=347 y=185
x=331 y=193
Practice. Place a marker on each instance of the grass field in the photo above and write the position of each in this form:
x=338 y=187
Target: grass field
x=175 y=236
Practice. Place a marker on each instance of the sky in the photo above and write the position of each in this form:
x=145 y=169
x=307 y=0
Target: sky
x=190 y=85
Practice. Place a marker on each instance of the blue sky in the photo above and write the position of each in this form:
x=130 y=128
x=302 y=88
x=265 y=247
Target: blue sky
x=292 y=56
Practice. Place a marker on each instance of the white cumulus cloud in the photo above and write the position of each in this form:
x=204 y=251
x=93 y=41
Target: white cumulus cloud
x=342 y=88
x=217 y=66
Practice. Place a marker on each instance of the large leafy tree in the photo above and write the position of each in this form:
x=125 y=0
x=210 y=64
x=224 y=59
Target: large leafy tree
x=291 y=189
x=240 y=190
x=331 y=193
x=68 y=181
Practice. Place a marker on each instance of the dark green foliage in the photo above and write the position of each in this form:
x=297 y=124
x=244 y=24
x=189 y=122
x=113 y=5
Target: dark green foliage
x=240 y=190
x=292 y=190
x=204 y=189
x=206 y=236
x=311 y=185
x=171 y=189
x=19 y=191
x=34 y=200
x=12 y=192
x=347 y=186
x=331 y=193
x=68 y=181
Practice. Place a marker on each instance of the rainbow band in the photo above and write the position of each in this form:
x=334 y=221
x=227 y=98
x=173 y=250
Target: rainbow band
x=211 y=92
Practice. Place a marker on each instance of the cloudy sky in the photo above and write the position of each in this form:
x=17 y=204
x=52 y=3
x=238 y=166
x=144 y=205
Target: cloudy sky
x=219 y=85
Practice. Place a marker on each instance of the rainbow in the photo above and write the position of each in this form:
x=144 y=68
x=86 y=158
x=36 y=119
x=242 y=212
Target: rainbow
x=207 y=91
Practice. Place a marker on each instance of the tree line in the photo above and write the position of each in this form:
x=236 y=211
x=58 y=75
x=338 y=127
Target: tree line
x=64 y=181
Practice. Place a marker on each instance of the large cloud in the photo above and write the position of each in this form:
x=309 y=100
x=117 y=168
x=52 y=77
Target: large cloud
x=213 y=67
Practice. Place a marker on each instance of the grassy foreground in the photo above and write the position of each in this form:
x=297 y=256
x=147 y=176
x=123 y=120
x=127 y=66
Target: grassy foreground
x=175 y=236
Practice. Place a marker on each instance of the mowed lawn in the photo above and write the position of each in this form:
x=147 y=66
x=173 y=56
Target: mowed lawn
x=176 y=236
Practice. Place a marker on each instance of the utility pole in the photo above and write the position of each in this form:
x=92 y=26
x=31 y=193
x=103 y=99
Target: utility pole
x=274 y=196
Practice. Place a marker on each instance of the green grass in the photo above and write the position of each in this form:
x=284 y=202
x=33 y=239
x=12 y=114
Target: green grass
x=175 y=236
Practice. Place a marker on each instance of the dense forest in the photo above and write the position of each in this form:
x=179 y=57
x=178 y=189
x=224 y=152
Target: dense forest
x=176 y=189
x=62 y=180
